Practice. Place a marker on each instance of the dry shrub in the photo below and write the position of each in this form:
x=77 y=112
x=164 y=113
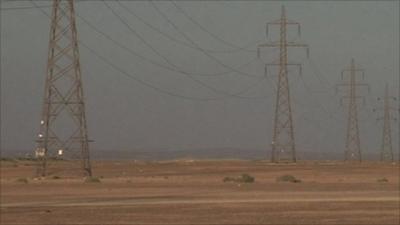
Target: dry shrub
x=288 y=178
x=244 y=178
x=92 y=180
x=22 y=180
x=382 y=180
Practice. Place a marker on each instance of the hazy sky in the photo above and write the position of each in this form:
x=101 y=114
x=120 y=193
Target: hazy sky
x=124 y=114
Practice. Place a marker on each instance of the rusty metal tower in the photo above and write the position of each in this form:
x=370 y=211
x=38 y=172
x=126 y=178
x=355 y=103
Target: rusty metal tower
x=283 y=142
x=63 y=129
x=386 y=152
x=353 y=145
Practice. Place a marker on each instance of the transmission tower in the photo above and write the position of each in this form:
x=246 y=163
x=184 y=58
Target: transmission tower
x=386 y=152
x=63 y=129
x=353 y=146
x=283 y=143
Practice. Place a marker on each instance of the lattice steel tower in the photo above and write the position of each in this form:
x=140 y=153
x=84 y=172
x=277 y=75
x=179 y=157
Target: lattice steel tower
x=386 y=152
x=63 y=129
x=283 y=142
x=353 y=145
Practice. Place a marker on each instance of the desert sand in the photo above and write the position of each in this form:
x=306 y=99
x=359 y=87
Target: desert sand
x=193 y=192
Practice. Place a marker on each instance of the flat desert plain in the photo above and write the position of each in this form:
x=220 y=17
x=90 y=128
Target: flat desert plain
x=193 y=192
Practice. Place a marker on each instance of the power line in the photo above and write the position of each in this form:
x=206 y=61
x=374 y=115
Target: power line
x=169 y=21
x=180 y=71
x=172 y=64
x=174 y=69
x=129 y=75
x=238 y=48
x=109 y=63
x=319 y=104
x=324 y=81
x=102 y=58
x=321 y=78
x=24 y=7
x=195 y=44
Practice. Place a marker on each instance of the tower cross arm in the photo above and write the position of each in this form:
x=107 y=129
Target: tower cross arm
x=349 y=97
x=296 y=44
x=286 y=22
x=337 y=86
x=274 y=44
x=267 y=45
x=293 y=44
x=278 y=45
x=279 y=22
x=345 y=71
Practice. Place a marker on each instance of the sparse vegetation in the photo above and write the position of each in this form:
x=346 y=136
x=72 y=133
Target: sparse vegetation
x=382 y=180
x=244 y=178
x=5 y=159
x=288 y=178
x=92 y=180
x=247 y=178
x=228 y=179
x=26 y=158
x=54 y=158
x=22 y=180
x=55 y=177
x=9 y=162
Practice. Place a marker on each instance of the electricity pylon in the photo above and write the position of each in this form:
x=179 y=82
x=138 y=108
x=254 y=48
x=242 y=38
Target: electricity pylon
x=386 y=151
x=63 y=129
x=283 y=143
x=353 y=145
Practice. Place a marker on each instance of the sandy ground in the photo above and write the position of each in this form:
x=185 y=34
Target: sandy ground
x=192 y=192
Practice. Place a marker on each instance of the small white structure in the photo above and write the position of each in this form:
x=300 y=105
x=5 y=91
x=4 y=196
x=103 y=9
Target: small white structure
x=60 y=152
x=39 y=152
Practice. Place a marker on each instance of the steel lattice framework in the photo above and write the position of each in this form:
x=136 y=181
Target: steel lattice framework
x=353 y=144
x=283 y=141
x=63 y=129
x=386 y=152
